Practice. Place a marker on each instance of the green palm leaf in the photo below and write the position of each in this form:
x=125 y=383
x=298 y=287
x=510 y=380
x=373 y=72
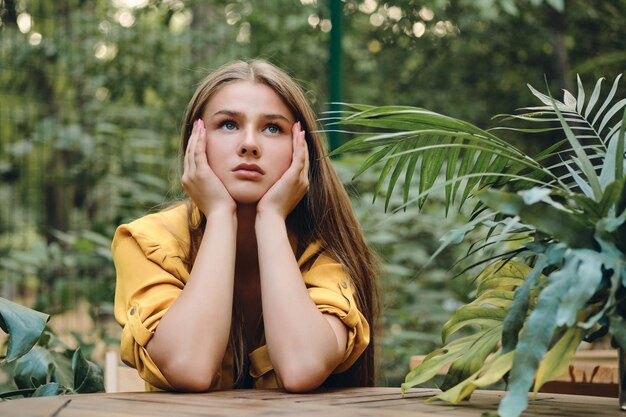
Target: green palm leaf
x=467 y=354
x=432 y=140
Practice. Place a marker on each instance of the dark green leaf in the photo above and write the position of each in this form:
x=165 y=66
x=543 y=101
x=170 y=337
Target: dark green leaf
x=373 y=159
x=402 y=160
x=519 y=308
x=588 y=267
x=47 y=390
x=619 y=154
x=23 y=325
x=87 y=375
x=38 y=364
x=469 y=314
x=385 y=171
x=534 y=342
x=408 y=177
x=474 y=358
x=617 y=328
x=567 y=227
x=17 y=393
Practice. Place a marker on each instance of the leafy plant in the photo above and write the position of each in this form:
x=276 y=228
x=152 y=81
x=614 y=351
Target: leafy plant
x=40 y=364
x=554 y=236
x=413 y=309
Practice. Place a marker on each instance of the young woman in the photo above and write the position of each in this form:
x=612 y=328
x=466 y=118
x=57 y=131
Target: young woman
x=262 y=278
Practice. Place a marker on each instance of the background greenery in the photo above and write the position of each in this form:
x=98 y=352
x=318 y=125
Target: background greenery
x=92 y=94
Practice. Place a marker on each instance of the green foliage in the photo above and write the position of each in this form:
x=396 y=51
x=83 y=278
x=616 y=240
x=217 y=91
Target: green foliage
x=23 y=325
x=40 y=364
x=467 y=355
x=570 y=212
x=429 y=140
x=91 y=115
x=414 y=304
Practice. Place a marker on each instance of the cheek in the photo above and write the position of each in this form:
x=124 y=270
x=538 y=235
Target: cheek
x=215 y=155
x=283 y=159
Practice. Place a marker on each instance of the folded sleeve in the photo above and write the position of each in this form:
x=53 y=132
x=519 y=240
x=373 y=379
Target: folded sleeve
x=149 y=279
x=332 y=291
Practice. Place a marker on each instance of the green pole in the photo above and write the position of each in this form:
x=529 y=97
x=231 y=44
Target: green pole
x=334 y=67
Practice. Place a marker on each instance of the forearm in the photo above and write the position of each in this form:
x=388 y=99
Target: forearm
x=300 y=340
x=189 y=343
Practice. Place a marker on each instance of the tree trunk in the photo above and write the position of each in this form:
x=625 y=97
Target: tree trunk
x=8 y=14
x=560 y=56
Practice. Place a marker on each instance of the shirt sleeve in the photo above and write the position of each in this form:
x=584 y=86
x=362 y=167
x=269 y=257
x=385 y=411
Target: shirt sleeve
x=149 y=279
x=332 y=291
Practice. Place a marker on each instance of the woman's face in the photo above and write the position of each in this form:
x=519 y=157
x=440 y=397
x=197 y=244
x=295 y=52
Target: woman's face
x=249 y=138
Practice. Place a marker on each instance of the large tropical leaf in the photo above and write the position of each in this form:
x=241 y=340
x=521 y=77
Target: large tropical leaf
x=467 y=355
x=564 y=225
x=556 y=362
x=423 y=143
x=590 y=129
x=416 y=140
x=23 y=325
x=559 y=303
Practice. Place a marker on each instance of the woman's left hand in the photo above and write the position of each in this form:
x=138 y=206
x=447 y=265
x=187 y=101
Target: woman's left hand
x=287 y=192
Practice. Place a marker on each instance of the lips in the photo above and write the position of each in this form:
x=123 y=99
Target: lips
x=251 y=172
x=249 y=167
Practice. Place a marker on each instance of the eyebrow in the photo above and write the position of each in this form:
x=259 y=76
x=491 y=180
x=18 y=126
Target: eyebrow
x=233 y=113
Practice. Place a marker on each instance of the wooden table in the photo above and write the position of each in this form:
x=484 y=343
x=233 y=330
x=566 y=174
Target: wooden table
x=327 y=403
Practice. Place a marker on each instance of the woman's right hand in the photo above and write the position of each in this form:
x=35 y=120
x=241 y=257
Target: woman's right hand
x=204 y=188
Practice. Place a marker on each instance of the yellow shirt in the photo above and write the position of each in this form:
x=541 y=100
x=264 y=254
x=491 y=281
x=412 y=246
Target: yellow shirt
x=148 y=255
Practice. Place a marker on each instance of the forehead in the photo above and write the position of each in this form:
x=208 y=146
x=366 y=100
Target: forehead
x=247 y=97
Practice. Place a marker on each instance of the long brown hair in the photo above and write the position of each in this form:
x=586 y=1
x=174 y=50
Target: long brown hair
x=324 y=214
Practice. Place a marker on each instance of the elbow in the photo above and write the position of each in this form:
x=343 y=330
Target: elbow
x=192 y=384
x=301 y=378
x=302 y=386
x=190 y=376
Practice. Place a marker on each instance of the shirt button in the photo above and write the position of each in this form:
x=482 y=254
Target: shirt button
x=133 y=310
x=344 y=284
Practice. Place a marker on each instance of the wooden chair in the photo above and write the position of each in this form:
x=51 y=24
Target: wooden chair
x=120 y=378
x=591 y=372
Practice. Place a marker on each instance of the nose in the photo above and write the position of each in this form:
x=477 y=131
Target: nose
x=249 y=145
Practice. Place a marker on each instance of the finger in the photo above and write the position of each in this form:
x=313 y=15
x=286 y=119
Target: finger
x=295 y=134
x=190 y=147
x=306 y=154
x=200 y=157
x=300 y=150
x=305 y=169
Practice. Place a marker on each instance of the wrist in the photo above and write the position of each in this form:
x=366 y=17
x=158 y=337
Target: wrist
x=222 y=215
x=268 y=219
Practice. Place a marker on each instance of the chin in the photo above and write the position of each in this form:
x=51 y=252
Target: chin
x=247 y=192
x=246 y=197
x=246 y=201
